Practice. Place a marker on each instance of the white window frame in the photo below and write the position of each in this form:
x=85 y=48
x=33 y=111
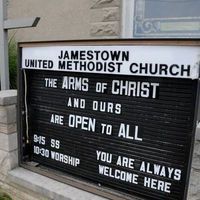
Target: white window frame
x=152 y=26
x=127 y=18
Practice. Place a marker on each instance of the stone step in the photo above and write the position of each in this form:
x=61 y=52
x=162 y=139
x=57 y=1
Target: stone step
x=46 y=187
x=17 y=192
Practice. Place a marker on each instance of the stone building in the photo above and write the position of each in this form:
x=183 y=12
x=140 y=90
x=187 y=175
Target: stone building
x=84 y=20
x=97 y=19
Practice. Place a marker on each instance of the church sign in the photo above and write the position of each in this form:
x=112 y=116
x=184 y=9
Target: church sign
x=117 y=114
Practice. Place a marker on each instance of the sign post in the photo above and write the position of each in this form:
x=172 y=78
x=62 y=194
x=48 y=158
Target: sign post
x=5 y=25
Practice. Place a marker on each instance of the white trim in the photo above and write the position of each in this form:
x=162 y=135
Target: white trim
x=178 y=61
x=127 y=18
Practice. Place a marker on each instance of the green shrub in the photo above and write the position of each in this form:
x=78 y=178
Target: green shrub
x=4 y=196
x=12 y=51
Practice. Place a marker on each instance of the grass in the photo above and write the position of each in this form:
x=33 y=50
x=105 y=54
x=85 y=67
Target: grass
x=4 y=196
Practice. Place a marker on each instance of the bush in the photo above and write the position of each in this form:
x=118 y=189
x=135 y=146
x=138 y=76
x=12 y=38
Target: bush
x=4 y=196
x=12 y=52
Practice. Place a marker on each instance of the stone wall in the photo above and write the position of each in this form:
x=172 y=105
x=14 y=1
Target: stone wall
x=60 y=20
x=105 y=18
x=8 y=132
x=67 y=19
x=194 y=190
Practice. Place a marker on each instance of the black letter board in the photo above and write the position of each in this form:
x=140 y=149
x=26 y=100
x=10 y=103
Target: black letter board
x=117 y=114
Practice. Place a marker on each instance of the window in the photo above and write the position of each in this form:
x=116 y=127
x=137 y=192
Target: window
x=161 y=18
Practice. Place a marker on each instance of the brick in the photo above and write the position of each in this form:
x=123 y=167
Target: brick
x=105 y=15
x=104 y=29
x=8 y=97
x=8 y=142
x=8 y=128
x=105 y=3
x=8 y=114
